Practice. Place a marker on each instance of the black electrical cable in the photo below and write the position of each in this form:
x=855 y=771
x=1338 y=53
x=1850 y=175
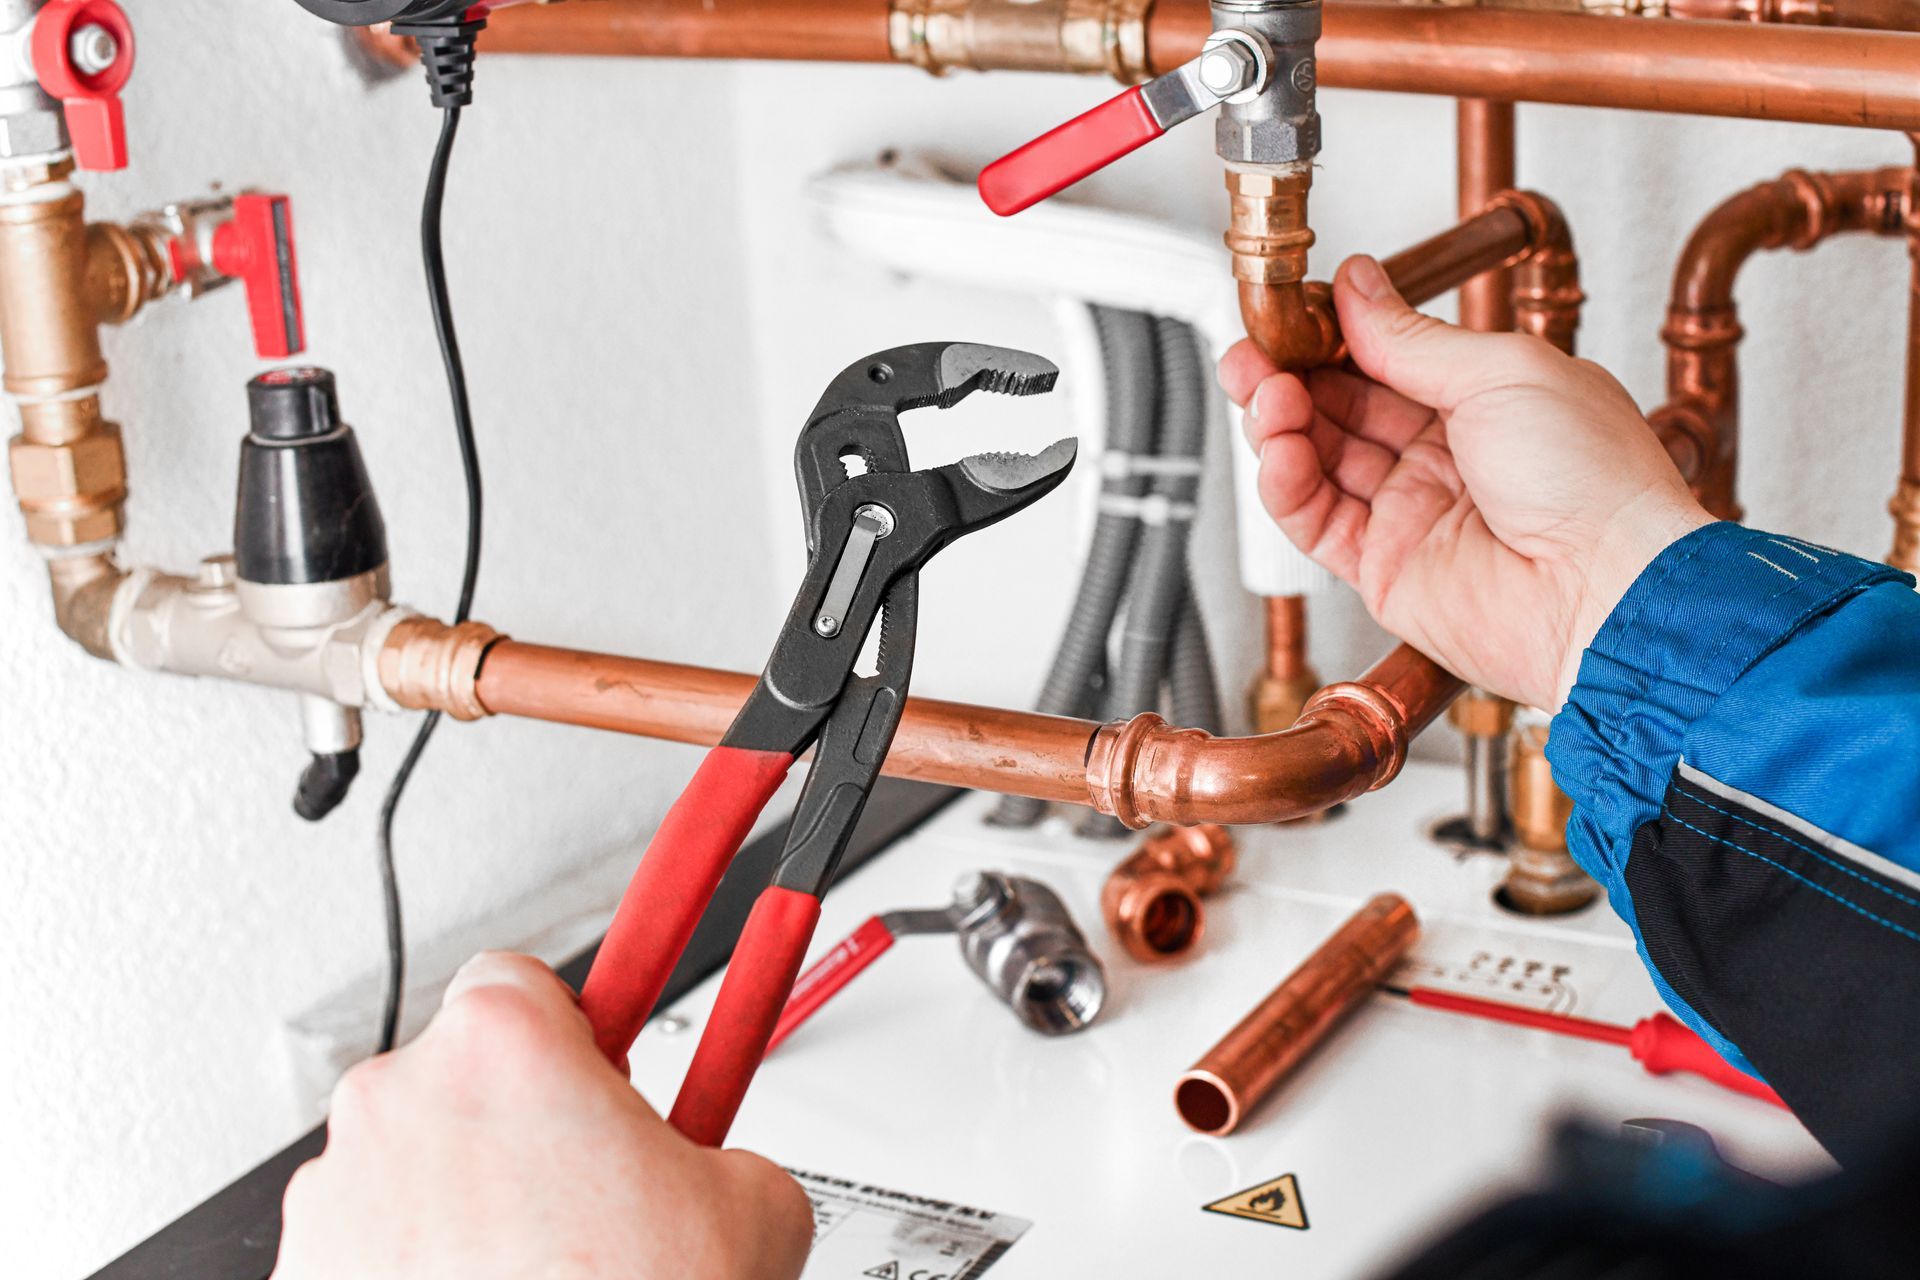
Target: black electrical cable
x=437 y=294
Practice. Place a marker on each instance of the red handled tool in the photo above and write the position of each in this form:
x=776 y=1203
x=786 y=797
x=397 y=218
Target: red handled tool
x=868 y=536
x=1660 y=1044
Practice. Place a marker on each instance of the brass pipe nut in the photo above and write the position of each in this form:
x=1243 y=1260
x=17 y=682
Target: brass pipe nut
x=71 y=493
x=1277 y=704
x=1481 y=715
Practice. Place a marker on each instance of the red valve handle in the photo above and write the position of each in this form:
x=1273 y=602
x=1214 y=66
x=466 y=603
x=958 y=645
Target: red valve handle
x=256 y=248
x=823 y=980
x=1663 y=1043
x=1055 y=161
x=96 y=120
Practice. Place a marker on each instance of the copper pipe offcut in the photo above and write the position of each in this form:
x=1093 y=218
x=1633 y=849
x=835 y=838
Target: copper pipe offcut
x=1151 y=901
x=1221 y=1089
x=1905 y=506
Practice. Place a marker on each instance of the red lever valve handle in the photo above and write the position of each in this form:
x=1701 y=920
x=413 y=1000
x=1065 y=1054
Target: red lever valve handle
x=1056 y=160
x=83 y=55
x=256 y=248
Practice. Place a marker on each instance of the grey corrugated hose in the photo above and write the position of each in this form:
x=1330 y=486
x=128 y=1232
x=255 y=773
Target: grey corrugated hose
x=1160 y=589
x=1079 y=672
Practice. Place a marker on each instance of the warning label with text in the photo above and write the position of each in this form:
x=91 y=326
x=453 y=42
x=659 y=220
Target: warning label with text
x=864 y=1232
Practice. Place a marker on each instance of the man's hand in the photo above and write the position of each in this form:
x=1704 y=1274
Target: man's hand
x=1490 y=497
x=500 y=1145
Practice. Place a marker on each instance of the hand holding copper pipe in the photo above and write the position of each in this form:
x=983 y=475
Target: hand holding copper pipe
x=1236 y=1074
x=1151 y=901
x=1460 y=468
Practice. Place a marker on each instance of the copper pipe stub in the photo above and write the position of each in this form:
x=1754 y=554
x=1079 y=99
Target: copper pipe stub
x=1288 y=680
x=1542 y=877
x=1151 y=901
x=1906 y=527
x=1217 y=1094
x=429 y=666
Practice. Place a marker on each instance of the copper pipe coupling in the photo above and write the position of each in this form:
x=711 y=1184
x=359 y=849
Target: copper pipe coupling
x=1152 y=899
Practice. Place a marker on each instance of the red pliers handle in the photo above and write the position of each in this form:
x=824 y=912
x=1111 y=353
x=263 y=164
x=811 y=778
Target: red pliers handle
x=868 y=536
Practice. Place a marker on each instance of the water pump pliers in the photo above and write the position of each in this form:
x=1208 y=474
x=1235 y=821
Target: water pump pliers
x=870 y=528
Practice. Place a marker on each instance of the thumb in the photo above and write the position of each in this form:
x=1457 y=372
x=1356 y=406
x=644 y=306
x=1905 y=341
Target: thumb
x=1427 y=360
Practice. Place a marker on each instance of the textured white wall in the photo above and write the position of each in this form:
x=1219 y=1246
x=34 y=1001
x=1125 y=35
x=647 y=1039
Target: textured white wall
x=647 y=320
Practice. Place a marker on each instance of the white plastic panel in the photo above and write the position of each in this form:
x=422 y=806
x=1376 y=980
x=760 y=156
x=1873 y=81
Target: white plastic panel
x=914 y=1079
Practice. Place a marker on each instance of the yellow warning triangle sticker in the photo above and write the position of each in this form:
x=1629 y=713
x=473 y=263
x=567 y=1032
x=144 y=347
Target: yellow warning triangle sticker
x=1277 y=1202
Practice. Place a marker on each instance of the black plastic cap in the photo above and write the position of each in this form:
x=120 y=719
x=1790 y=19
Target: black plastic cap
x=306 y=510
x=325 y=783
x=364 y=13
x=293 y=404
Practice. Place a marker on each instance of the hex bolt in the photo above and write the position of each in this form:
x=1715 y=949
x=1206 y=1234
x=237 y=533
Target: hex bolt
x=93 y=49
x=1227 y=68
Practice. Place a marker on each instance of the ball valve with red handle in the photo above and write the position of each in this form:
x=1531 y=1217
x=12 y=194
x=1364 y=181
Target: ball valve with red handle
x=1257 y=66
x=81 y=52
x=246 y=238
x=1233 y=67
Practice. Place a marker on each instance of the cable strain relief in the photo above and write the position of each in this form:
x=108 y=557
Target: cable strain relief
x=447 y=52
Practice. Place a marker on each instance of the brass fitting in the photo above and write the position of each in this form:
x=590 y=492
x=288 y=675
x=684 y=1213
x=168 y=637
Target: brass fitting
x=1479 y=714
x=1088 y=36
x=1288 y=680
x=426 y=665
x=1542 y=878
x=71 y=492
x=1151 y=901
x=1268 y=236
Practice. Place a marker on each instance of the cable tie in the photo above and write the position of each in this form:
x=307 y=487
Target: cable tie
x=1152 y=509
x=1115 y=465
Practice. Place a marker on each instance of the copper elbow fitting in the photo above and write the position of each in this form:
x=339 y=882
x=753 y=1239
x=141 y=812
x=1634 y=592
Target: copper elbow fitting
x=426 y=665
x=1546 y=282
x=1151 y=901
x=1233 y=1077
x=1268 y=235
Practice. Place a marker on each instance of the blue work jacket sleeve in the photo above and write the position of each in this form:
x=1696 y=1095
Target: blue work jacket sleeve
x=1743 y=752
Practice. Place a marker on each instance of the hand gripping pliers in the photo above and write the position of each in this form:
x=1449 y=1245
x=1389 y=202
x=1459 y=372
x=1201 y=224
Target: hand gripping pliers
x=868 y=534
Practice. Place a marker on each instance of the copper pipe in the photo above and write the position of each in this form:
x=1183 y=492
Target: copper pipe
x=1700 y=422
x=1288 y=680
x=1498 y=237
x=1905 y=506
x=1235 y=1075
x=1351 y=740
x=1746 y=70
x=1484 y=148
x=1151 y=901
x=1872 y=15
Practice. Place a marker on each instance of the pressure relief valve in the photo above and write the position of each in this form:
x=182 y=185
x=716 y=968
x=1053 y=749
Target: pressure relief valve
x=310 y=550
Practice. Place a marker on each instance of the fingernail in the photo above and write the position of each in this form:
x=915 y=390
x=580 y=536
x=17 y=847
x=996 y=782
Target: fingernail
x=1254 y=403
x=1366 y=278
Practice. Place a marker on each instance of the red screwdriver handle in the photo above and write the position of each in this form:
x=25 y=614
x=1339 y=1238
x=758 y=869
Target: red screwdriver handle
x=821 y=982
x=1663 y=1043
x=256 y=248
x=1056 y=160
x=758 y=982
x=676 y=879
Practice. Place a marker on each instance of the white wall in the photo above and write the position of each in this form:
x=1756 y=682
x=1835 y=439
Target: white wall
x=647 y=321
